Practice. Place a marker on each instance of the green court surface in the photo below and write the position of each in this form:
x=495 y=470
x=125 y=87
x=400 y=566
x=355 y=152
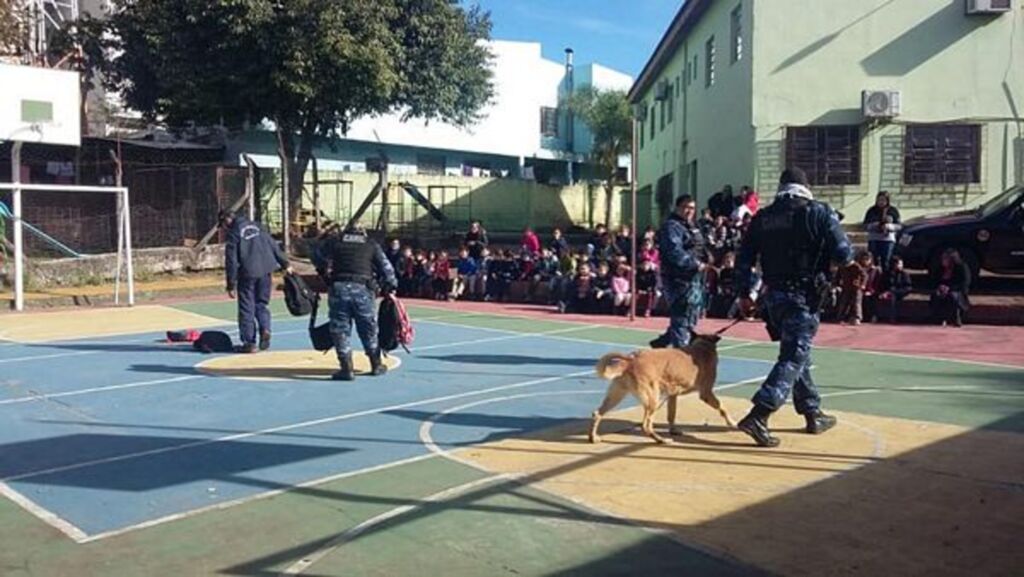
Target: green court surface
x=481 y=514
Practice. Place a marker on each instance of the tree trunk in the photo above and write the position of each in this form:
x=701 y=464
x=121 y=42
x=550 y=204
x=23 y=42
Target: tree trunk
x=294 y=161
x=609 y=195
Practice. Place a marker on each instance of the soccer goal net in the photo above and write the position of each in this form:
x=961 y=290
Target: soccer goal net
x=85 y=230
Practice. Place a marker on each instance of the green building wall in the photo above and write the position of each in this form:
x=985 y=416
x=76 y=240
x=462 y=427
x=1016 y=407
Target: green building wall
x=806 y=63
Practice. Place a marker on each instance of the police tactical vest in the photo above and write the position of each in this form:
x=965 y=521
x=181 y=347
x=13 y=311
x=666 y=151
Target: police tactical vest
x=352 y=258
x=791 y=248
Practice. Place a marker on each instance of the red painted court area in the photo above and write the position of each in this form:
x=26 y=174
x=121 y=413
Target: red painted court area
x=976 y=343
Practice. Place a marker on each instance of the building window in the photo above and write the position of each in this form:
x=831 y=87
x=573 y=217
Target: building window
x=430 y=164
x=664 y=116
x=830 y=155
x=694 y=69
x=548 y=121
x=709 y=63
x=653 y=110
x=640 y=128
x=737 y=34
x=671 y=108
x=942 y=154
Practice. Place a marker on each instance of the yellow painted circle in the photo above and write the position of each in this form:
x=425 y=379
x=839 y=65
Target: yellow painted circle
x=286 y=365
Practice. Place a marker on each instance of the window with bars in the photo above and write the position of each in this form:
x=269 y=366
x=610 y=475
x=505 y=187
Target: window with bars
x=709 y=63
x=548 y=121
x=737 y=34
x=830 y=155
x=942 y=154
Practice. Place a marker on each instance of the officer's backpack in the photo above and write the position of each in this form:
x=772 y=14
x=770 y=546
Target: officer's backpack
x=320 y=336
x=298 y=297
x=214 y=342
x=393 y=326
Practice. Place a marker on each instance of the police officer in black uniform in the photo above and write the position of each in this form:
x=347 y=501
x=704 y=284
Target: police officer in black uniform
x=684 y=257
x=351 y=264
x=795 y=239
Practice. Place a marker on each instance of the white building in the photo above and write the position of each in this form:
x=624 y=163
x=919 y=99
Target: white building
x=524 y=130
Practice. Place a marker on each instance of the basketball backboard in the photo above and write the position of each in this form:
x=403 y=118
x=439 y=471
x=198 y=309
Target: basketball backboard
x=39 y=105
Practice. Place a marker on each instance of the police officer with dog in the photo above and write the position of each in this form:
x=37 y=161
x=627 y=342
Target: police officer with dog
x=795 y=239
x=352 y=264
x=683 y=260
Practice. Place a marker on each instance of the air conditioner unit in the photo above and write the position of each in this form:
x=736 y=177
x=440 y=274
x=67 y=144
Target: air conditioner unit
x=988 y=7
x=880 y=103
x=663 y=90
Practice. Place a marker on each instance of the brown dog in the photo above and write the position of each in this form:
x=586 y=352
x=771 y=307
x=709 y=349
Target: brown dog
x=651 y=373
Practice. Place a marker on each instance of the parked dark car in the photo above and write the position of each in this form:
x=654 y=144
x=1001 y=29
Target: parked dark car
x=990 y=237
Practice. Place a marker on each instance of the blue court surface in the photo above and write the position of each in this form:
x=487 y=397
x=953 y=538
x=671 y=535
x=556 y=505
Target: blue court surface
x=104 y=435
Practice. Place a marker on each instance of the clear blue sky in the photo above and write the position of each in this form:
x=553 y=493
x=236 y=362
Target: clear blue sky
x=620 y=34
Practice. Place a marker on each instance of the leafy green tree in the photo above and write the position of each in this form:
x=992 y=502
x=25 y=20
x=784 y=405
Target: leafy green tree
x=607 y=114
x=310 y=67
x=14 y=28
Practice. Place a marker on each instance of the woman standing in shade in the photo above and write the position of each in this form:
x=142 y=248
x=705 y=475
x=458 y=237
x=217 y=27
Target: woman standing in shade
x=882 y=222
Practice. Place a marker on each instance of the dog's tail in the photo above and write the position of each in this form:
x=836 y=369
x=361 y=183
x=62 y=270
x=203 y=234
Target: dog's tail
x=613 y=365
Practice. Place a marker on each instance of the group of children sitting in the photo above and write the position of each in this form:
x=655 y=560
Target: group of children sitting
x=595 y=279
x=863 y=290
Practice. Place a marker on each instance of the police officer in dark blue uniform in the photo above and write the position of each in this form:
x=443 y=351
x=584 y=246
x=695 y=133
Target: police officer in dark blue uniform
x=352 y=263
x=795 y=239
x=683 y=260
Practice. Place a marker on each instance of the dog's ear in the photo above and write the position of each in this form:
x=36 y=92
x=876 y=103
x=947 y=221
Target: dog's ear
x=714 y=338
x=693 y=335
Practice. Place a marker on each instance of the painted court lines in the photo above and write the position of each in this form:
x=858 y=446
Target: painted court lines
x=65 y=478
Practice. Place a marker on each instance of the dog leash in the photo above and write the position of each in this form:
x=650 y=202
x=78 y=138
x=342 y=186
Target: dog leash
x=728 y=327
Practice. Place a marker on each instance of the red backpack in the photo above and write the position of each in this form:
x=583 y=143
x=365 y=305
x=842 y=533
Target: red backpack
x=394 y=329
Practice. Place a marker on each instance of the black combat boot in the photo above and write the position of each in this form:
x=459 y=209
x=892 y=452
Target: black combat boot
x=818 y=422
x=377 y=367
x=755 y=424
x=345 y=373
x=662 y=342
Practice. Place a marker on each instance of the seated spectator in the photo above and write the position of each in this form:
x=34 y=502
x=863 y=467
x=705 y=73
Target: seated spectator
x=872 y=286
x=647 y=286
x=651 y=233
x=595 y=241
x=469 y=280
x=895 y=287
x=442 y=282
x=501 y=271
x=606 y=251
x=560 y=284
x=581 y=290
x=545 y=269
x=425 y=275
x=558 y=245
x=603 y=297
x=706 y=223
x=949 y=302
x=406 y=273
x=724 y=293
x=853 y=282
x=624 y=242
x=394 y=253
x=530 y=243
x=649 y=253
x=622 y=295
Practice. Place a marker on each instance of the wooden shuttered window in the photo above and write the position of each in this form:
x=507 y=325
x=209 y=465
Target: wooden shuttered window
x=937 y=154
x=830 y=155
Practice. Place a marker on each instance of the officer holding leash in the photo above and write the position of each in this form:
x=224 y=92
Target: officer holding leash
x=683 y=260
x=795 y=239
x=351 y=264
